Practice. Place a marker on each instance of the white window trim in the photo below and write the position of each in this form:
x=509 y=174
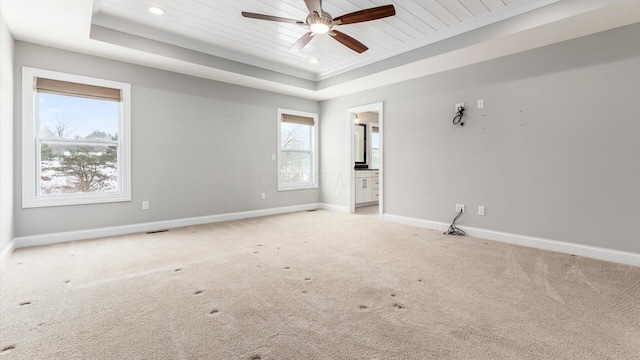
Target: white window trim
x=314 y=149
x=30 y=156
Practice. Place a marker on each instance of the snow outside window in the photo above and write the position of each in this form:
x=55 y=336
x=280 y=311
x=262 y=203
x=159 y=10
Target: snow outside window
x=76 y=144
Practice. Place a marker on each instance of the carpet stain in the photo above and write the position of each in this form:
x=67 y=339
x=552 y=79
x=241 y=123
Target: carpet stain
x=304 y=292
x=25 y=303
x=67 y=281
x=7 y=349
x=398 y=306
x=256 y=357
x=287 y=268
x=178 y=270
x=198 y=292
x=419 y=280
x=393 y=295
x=259 y=245
x=363 y=307
x=307 y=279
x=214 y=312
x=255 y=252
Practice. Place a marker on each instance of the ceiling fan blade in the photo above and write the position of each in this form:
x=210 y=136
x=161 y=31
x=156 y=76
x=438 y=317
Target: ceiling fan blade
x=349 y=42
x=271 y=18
x=314 y=5
x=302 y=42
x=366 y=15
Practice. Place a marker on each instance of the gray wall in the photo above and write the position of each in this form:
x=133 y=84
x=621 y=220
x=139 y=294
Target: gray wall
x=6 y=134
x=199 y=147
x=554 y=153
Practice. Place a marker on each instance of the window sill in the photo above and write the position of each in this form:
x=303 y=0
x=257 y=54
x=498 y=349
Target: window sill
x=76 y=200
x=297 y=187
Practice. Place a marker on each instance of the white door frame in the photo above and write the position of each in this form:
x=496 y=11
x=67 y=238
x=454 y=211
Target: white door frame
x=351 y=188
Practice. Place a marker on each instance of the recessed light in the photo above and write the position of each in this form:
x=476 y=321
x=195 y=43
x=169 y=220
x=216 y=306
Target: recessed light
x=156 y=10
x=314 y=61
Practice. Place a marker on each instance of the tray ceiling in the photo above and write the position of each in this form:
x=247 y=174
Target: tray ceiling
x=217 y=28
x=210 y=38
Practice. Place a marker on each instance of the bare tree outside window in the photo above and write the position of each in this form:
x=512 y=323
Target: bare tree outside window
x=77 y=143
x=75 y=158
x=295 y=162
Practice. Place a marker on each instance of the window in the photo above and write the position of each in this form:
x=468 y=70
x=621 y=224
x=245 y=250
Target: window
x=298 y=150
x=75 y=139
x=375 y=146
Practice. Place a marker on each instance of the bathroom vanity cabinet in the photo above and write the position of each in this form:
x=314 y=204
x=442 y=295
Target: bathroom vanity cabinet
x=367 y=186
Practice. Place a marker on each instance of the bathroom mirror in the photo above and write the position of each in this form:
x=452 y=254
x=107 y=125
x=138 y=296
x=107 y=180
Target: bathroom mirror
x=360 y=143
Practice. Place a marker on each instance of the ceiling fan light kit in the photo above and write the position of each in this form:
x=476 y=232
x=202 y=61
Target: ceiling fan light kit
x=320 y=22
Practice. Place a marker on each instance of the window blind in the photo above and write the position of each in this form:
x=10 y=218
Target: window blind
x=295 y=119
x=59 y=87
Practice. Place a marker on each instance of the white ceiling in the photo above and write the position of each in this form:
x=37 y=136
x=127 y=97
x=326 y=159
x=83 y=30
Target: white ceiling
x=211 y=39
x=216 y=27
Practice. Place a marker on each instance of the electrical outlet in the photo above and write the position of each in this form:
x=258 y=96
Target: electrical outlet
x=263 y=196
x=145 y=205
x=481 y=210
x=458 y=106
x=273 y=156
x=459 y=207
x=480 y=103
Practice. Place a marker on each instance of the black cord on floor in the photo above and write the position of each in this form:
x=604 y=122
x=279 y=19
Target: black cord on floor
x=453 y=229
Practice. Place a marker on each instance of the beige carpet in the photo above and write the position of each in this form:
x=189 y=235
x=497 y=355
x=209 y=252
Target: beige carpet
x=313 y=285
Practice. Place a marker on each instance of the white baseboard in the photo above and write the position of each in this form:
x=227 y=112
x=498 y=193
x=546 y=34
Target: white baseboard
x=6 y=253
x=617 y=256
x=47 y=239
x=336 y=208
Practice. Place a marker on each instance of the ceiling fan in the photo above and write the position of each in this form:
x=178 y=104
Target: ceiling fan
x=321 y=22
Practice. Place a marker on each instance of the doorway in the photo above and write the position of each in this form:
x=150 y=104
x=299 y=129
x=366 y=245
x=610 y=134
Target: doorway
x=373 y=130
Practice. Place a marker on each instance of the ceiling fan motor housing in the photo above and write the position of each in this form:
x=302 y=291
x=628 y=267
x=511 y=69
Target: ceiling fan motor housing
x=317 y=21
